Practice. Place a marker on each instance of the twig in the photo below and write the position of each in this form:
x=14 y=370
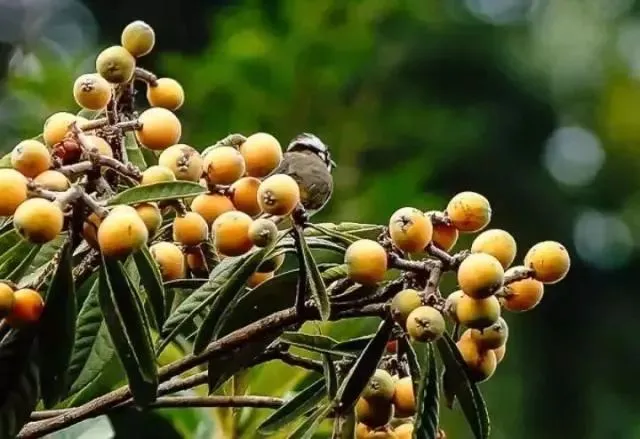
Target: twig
x=93 y=205
x=431 y=293
x=422 y=267
x=296 y=360
x=128 y=125
x=146 y=76
x=94 y=124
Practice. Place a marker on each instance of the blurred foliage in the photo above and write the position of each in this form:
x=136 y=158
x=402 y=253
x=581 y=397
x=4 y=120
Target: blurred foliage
x=420 y=99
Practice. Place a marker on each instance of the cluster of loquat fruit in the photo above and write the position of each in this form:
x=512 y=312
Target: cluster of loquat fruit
x=487 y=284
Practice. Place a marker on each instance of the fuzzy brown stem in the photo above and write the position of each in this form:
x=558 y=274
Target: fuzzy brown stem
x=146 y=76
x=94 y=124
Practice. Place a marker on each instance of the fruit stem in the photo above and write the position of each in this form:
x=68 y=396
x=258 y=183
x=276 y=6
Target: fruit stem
x=439 y=218
x=94 y=205
x=128 y=125
x=93 y=124
x=431 y=289
x=146 y=76
x=421 y=267
x=69 y=196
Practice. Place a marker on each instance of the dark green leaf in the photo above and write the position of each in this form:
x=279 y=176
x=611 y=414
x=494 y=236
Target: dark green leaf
x=342 y=237
x=416 y=358
x=227 y=297
x=124 y=317
x=133 y=150
x=57 y=330
x=169 y=190
x=344 y=426
x=151 y=280
x=42 y=258
x=313 y=284
x=330 y=375
x=367 y=231
x=310 y=425
x=354 y=344
x=22 y=266
x=287 y=245
x=335 y=273
x=150 y=156
x=315 y=343
x=293 y=409
x=8 y=239
x=466 y=391
x=16 y=259
x=186 y=284
x=364 y=367
x=426 y=423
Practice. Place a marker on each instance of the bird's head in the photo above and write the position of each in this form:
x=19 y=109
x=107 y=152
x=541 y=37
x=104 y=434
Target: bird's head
x=311 y=143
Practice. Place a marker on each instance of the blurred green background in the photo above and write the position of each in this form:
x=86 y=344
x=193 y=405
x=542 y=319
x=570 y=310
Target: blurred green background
x=535 y=104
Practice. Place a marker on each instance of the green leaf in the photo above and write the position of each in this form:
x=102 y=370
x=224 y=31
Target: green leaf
x=342 y=237
x=17 y=259
x=124 y=317
x=344 y=426
x=152 y=282
x=354 y=344
x=363 y=231
x=22 y=266
x=5 y=161
x=313 y=283
x=466 y=391
x=42 y=259
x=427 y=410
x=9 y=239
x=315 y=343
x=364 y=367
x=287 y=244
x=57 y=330
x=185 y=284
x=19 y=383
x=416 y=358
x=168 y=190
x=308 y=428
x=335 y=273
x=330 y=375
x=227 y=297
x=134 y=154
x=293 y=409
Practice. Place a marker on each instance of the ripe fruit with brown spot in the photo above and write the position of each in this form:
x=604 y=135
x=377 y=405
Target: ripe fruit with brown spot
x=90 y=230
x=13 y=187
x=116 y=64
x=263 y=232
x=57 y=126
x=160 y=128
x=373 y=414
x=491 y=337
x=150 y=215
x=244 y=194
x=410 y=229
x=38 y=220
x=380 y=387
x=404 y=431
x=122 y=232
x=549 y=260
x=30 y=158
x=451 y=303
x=52 y=180
x=480 y=275
x=521 y=295
x=262 y=154
x=481 y=364
x=444 y=236
x=403 y=303
x=138 y=38
x=92 y=91
x=170 y=260
x=469 y=212
x=190 y=229
x=6 y=299
x=366 y=262
x=157 y=174
x=211 y=206
x=27 y=308
x=478 y=313
x=166 y=93
x=257 y=278
x=500 y=353
x=425 y=324
x=271 y=264
x=223 y=165
x=184 y=161
x=404 y=399
x=99 y=145
x=231 y=233
x=497 y=243
x=278 y=194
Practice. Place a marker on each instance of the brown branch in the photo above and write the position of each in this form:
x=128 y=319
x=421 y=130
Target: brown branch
x=422 y=267
x=296 y=360
x=94 y=124
x=146 y=76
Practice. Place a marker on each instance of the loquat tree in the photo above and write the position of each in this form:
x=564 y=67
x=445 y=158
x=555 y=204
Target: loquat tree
x=116 y=234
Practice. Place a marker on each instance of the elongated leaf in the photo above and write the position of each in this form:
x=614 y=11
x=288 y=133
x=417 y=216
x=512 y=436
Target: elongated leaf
x=42 y=259
x=344 y=238
x=8 y=239
x=287 y=245
x=15 y=258
x=315 y=343
x=427 y=409
x=293 y=409
x=23 y=265
x=124 y=317
x=152 y=282
x=185 y=284
x=133 y=151
x=310 y=425
x=417 y=356
x=344 y=427
x=227 y=297
x=313 y=283
x=168 y=190
x=330 y=375
x=368 y=231
x=57 y=330
x=354 y=344
x=466 y=391
x=364 y=367
x=335 y=273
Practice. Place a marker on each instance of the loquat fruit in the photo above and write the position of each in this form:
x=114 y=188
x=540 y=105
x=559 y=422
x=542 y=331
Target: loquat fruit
x=27 y=308
x=159 y=129
x=184 y=161
x=90 y=230
x=497 y=243
x=244 y=195
x=57 y=126
x=211 y=206
x=410 y=229
x=404 y=399
x=150 y=215
x=278 y=194
x=271 y=264
x=262 y=154
x=263 y=232
x=156 y=174
x=451 y=303
x=92 y=91
x=138 y=38
x=522 y=295
x=444 y=236
x=166 y=93
x=477 y=313
x=500 y=352
x=13 y=187
x=382 y=434
x=404 y=431
x=116 y=64
x=403 y=303
x=99 y=145
x=170 y=260
x=469 y=212
x=366 y=262
x=481 y=365
x=231 y=233
x=257 y=278
x=549 y=260
x=6 y=299
x=426 y=324
x=190 y=229
x=122 y=232
x=362 y=431
x=491 y=337
x=480 y=275
x=380 y=387
x=52 y=180
x=223 y=165
x=196 y=262
x=30 y=158
x=38 y=220
x=373 y=414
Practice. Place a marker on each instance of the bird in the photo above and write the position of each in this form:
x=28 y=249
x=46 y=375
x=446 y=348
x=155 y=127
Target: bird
x=308 y=161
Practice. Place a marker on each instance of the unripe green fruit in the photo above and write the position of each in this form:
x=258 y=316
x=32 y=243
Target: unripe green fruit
x=116 y=64
x=403 y=304
x=425 y=324
x=374 y=414
x=380 y=387
x=138 y=38
x=263 y=232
